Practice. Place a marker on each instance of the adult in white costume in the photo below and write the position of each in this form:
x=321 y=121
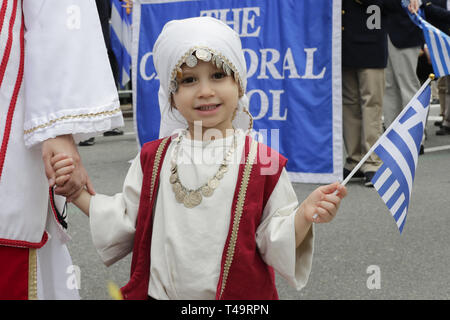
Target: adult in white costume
x=56 y=87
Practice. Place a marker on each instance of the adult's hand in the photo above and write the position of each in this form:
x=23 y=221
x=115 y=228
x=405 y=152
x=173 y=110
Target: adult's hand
x=413 y=6
x=66 y=145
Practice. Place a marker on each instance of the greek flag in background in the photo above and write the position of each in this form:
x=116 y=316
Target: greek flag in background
x=398 y=148
x=121 y=39
x=438 y=43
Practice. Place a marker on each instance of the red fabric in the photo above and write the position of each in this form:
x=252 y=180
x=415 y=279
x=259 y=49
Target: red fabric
x=137 y=287
x=9 y=41
x=249 y=277
x=13 y=273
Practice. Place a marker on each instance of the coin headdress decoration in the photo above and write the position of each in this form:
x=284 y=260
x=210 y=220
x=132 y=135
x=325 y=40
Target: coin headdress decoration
x=208 y=55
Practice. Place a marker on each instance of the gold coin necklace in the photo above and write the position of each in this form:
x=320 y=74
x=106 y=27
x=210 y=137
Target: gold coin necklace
x=192 y=198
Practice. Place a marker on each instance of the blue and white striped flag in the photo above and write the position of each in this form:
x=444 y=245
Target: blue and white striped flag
x=121 y=39
x=399 y=148
x=438 y=43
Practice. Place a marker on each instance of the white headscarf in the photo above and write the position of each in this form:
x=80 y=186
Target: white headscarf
x=178 y=39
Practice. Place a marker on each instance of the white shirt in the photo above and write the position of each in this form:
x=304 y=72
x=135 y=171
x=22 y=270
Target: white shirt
x=187 y=244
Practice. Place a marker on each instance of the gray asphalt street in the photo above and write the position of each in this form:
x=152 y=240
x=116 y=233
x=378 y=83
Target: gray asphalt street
x=359 y=255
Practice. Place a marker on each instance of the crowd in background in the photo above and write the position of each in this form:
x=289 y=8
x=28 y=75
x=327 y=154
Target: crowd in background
x=383 y=65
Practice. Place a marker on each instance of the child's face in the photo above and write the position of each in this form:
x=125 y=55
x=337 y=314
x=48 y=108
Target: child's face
x=206 y=94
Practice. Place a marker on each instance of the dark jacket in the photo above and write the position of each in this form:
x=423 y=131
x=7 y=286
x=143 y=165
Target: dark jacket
x=362 y=47
x=437 y=14
x=402 y=32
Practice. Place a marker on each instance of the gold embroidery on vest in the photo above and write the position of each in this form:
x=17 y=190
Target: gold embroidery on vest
x=32 y=276
x=238 y=213
x=156 y=165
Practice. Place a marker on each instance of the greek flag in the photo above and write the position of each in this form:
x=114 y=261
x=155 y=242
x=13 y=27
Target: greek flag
x=121 y=39
x=398 y=148
x=438 y=43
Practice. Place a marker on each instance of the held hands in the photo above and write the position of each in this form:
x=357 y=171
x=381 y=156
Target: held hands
x=64 y=168
x=74 y=180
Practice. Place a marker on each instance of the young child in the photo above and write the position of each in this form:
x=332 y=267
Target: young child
x=198 y=212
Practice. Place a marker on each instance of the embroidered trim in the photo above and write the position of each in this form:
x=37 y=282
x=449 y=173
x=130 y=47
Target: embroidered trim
x=156 y=165
x=32 y=275
x=71 y=117
x=238 y=213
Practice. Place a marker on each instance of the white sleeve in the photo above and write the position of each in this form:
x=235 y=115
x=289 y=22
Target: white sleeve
x=113 y=218
x=68 y=81
x=275 y=236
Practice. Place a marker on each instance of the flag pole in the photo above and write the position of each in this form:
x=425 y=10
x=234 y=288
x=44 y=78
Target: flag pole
x=355 y=169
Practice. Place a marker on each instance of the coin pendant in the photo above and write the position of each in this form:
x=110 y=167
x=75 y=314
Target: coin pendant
x=192 y=199
x=191 y=61
x=176 y=187
x=196 y=198
x=203 y=54
x=173 y=178
x=213 y=183
x=180 y=196
x=227 y=69
x=219 y=62
x=207 y=191
x=219 y=175
x=214 y=60
x=173 y=86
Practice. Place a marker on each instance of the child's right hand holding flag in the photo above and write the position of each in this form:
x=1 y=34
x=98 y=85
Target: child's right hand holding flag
x=320 y=206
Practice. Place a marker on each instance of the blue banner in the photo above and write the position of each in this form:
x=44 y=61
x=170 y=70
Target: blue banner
x=292 y=49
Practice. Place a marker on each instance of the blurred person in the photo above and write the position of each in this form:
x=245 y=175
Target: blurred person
x=364 y=59
x=405 y=41
x=437 y=12
x=104 y=13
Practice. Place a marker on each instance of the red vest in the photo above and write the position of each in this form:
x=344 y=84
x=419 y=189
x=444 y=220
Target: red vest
x=243 y=274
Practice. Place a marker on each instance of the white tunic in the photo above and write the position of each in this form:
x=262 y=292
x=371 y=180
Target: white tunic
x=67 y=88
x=187 y=244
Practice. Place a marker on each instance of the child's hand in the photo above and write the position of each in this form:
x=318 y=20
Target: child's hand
x=323 y=203
x=63 y=166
